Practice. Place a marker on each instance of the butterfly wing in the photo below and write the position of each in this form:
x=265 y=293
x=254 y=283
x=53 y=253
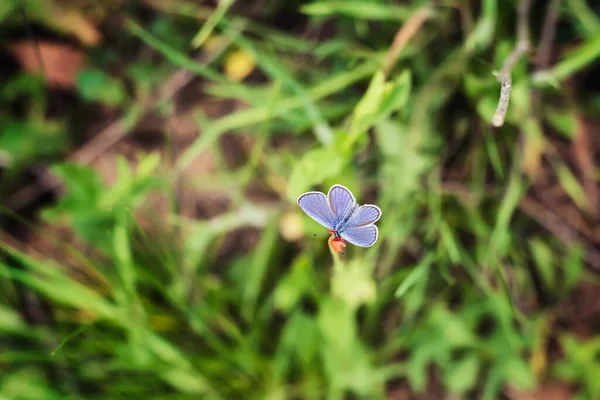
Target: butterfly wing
x=315 y=204
x=365 y=215
x=341 y=201
x=363 y=236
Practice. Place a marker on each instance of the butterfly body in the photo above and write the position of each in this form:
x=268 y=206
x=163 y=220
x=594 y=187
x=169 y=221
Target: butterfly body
x=336 y=235
x=345 y=219
x=344 y=222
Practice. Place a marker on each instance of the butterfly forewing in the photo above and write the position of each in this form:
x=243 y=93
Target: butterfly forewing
x=315 y=204
x=364 y=236
x=341 y=201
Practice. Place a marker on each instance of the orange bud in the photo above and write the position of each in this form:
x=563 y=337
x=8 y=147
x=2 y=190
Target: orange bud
x=337 y=245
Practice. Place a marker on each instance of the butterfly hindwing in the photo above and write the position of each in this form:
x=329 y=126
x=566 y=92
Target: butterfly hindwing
x=363 y=236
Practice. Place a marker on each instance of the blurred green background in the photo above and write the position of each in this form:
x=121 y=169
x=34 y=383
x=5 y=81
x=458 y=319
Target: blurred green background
x=151 y=154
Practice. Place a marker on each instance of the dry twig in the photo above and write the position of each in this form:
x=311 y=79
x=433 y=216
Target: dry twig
x=403 y=36
x=544 y=52
x=504 y=74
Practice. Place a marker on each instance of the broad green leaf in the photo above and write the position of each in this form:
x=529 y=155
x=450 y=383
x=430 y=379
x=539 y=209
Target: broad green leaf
x=368 y=107
x=95 y=85
x=396 y=95
x=314 y=168
x=461 y=376
x=336 y=323
x=353 y=284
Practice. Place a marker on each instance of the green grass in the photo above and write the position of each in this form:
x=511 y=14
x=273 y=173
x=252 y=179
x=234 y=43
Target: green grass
x=461 y=291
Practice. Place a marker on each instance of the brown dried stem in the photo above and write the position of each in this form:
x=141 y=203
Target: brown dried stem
x=403 y=36
x=542 y=59
x=504 y=74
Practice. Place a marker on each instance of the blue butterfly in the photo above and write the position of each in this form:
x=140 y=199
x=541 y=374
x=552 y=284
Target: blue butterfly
x=345 y=219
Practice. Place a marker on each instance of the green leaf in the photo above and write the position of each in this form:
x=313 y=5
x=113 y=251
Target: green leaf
x=314 y=168
x=462 y=375
x=519 y=373
x=417 y=366
x=257 y=269
x=396 y=95
x=574 y=266
x=122 y=252
x=575 y=60
x=353 y=284
x=543 y=255
x=418 y=273
x=26 y=383
x=210 y=24
x=368 y=106
x=563 y=121
x=185 y=381
x=379 y=101
x=301 y=337
x=83 y=189
x=569 y=183
x=173 y=54
x=6 y=7
x=358 y=9
x=28 y=141
x=405 y=161
x=588 y=22
x=147 y=165
x=60 y=288
x=10 y=320
x=486 y=107
x=476 y=86
x=256 y=115
x=95 y=85
x=450 y=242
x=293 y=285
x=336 y=322
x=483 y=33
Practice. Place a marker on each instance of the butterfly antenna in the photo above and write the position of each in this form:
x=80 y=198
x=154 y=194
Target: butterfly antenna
x=38 y=53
